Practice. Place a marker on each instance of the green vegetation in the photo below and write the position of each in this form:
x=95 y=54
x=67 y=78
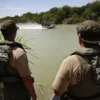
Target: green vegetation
x=65 y=14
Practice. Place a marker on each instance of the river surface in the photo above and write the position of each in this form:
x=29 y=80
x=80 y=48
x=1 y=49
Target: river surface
x=50 y=47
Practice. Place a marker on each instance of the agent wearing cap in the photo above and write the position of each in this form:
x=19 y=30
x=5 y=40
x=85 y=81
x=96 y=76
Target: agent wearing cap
x=79 y=74
x=16 y=75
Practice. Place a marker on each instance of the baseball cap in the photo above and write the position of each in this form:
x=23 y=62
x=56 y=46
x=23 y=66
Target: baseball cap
x=89 y=30
x=8 y=25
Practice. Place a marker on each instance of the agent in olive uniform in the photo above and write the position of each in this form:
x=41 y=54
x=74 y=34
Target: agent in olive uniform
x=14 y=69
x=79 y=74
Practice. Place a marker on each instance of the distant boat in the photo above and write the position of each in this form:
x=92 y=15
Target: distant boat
x=48 y=25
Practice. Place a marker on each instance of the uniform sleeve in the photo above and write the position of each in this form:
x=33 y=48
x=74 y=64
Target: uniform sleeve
x=68 y=74
x=20 y=62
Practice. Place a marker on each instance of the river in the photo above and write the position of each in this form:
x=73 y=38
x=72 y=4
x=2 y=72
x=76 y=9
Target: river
x=50 y=47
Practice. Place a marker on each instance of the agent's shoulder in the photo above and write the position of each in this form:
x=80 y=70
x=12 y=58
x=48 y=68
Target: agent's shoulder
x=17 y=51
x=71 y=58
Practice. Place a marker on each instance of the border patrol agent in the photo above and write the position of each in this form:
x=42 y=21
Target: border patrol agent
x=79 y=74
x=14 y=69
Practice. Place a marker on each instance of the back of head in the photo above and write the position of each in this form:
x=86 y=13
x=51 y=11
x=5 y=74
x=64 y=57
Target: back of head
x=8 y=27
x=89 y=31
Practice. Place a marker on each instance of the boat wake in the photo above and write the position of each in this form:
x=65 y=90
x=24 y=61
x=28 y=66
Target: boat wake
x=30 y=26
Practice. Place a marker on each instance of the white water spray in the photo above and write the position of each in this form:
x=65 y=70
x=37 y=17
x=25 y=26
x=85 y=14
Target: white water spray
x=30 y=26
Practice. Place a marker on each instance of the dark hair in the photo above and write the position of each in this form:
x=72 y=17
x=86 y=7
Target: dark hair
x=6 y=34
x=88 y=41
x=88 y=44
x=8 y=27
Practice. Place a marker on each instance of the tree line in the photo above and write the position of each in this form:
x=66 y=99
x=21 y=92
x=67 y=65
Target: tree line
x=61 y=15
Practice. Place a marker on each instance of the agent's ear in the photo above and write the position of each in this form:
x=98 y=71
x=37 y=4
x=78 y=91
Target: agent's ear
x=80 y=40
x=14 y=35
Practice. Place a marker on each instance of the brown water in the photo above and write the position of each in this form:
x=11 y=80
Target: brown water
x=50 y=46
